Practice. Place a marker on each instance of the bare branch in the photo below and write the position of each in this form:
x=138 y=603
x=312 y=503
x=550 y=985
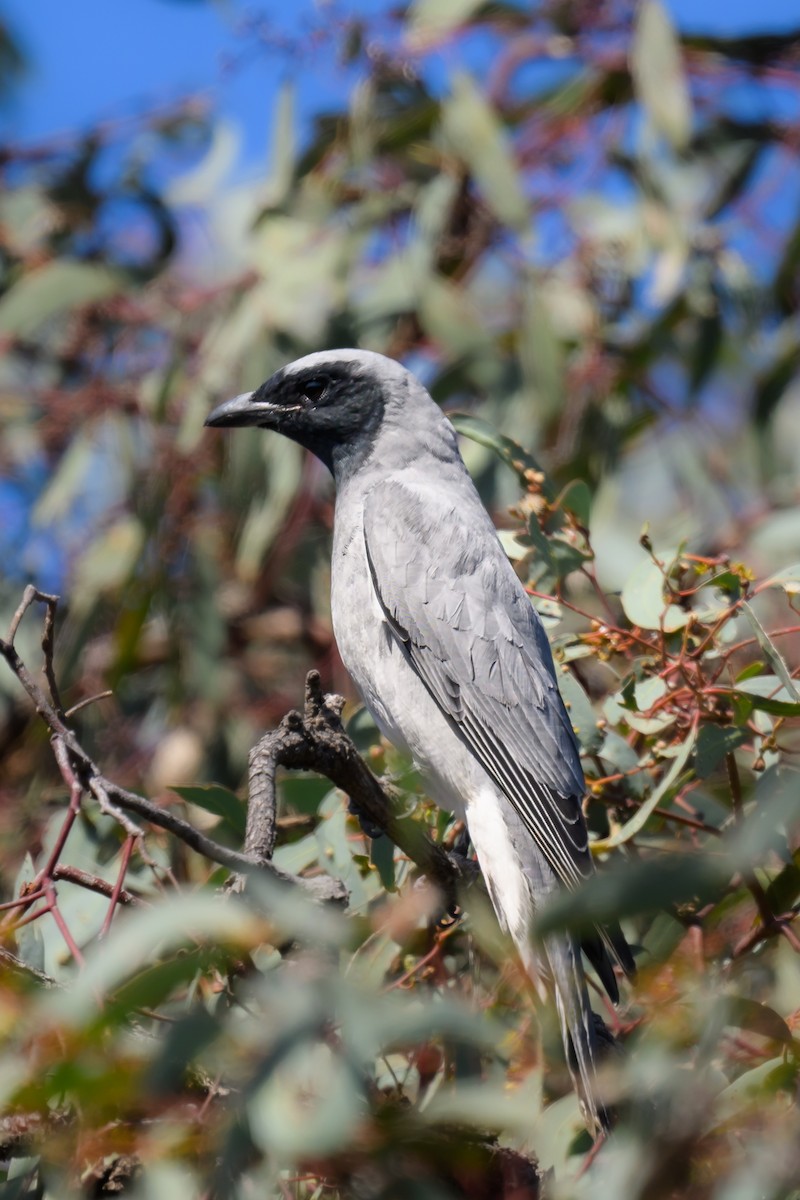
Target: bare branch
x=76 y=708
x=316 y=740
x=98 y=790
x=10 y=962
x=48 y=648
x=93 y=883
x=82 y=774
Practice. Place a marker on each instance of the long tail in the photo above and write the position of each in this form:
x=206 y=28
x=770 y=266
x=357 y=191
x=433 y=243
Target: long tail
x=520 y=881
x=579 y=1027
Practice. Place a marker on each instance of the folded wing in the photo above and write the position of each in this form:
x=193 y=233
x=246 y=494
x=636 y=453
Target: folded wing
x=467 y=627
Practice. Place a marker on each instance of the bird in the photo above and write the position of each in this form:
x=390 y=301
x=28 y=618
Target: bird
x=450 y=657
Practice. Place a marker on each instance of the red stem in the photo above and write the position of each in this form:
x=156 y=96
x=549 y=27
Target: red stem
x=127 y=850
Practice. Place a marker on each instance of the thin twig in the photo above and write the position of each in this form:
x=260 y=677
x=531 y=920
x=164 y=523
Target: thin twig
x=98 y=790
x=76 y=708
x=10 y=962
x=48 y=648
x=127 y=849
x=63 y=929
x=92 y=883
x=82 y=774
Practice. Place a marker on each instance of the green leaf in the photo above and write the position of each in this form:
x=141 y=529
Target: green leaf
x=744 y=1013
x=473 y=130
x=644 y=603
x=541 y=354
x=297 y=856
x=765 y=693
x=197 y=916
x=29 y=939
x=788 y=579
x=752 y=1089
x=565 y=556
x=647 y=691
x=219 y=801
x=429 y=21
x=637 y=698
x=67 y=480
x=710 y=337
x=52 y=289
x=774 y=809
x=303 y=793
x=659 y=82
x=149 y=987
x=639 y=819
x=617 y=753
x=713 y=743
x=107 y=563
x=785 y=887
x=750 y=671
x=480 y=1106
x=198 y=185
x=725 y=581
x=20 y=1178
x=581 y=712
x=310 y=1103
x=773 y=654
x=577 y=499
x=164 y=1180
x=663 y=937
x=511 y=453
x=633 y=888
x=776 y=379
x=449 y=316
x=283 y=145
x=381 y=855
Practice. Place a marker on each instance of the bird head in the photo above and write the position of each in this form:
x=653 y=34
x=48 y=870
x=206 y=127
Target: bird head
x=332 y=402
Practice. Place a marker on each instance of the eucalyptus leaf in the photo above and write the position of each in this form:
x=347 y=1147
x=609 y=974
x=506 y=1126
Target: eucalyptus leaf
x=633 y=888
x=217 y=800
x=430 y=20
x=772 y=653
x=713 y=743
x=381 y=856
x=108 y=561
x=310 y=1104
x=29 y=939
x=659 y=793
x=658 y=75
x=52 y=289
x=512 y=454
x=767 y=693
x=473 y=130
x=745 y=1013
x=581 y=712
x=644 y=602
x=788 y=579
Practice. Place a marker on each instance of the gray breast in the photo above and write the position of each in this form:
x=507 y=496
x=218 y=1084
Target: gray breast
x=398 y=701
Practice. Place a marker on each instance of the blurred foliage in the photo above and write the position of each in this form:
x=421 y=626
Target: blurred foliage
x=592 y=244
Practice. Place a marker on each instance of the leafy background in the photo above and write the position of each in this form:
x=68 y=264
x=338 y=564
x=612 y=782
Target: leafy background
x=578 y=226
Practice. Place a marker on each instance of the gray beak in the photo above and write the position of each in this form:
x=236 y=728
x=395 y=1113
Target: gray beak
x=238 y=411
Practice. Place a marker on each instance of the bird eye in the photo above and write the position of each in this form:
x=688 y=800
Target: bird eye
x=314 y=389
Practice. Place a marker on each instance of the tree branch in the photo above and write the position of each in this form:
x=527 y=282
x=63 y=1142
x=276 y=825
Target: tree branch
x=312 y=740
x=316 y=740
x=78 y=766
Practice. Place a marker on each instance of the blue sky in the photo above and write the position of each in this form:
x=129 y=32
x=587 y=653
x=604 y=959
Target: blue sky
x=105 y=59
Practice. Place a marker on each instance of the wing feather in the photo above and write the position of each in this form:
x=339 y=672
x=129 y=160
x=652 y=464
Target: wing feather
x=468 y=629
